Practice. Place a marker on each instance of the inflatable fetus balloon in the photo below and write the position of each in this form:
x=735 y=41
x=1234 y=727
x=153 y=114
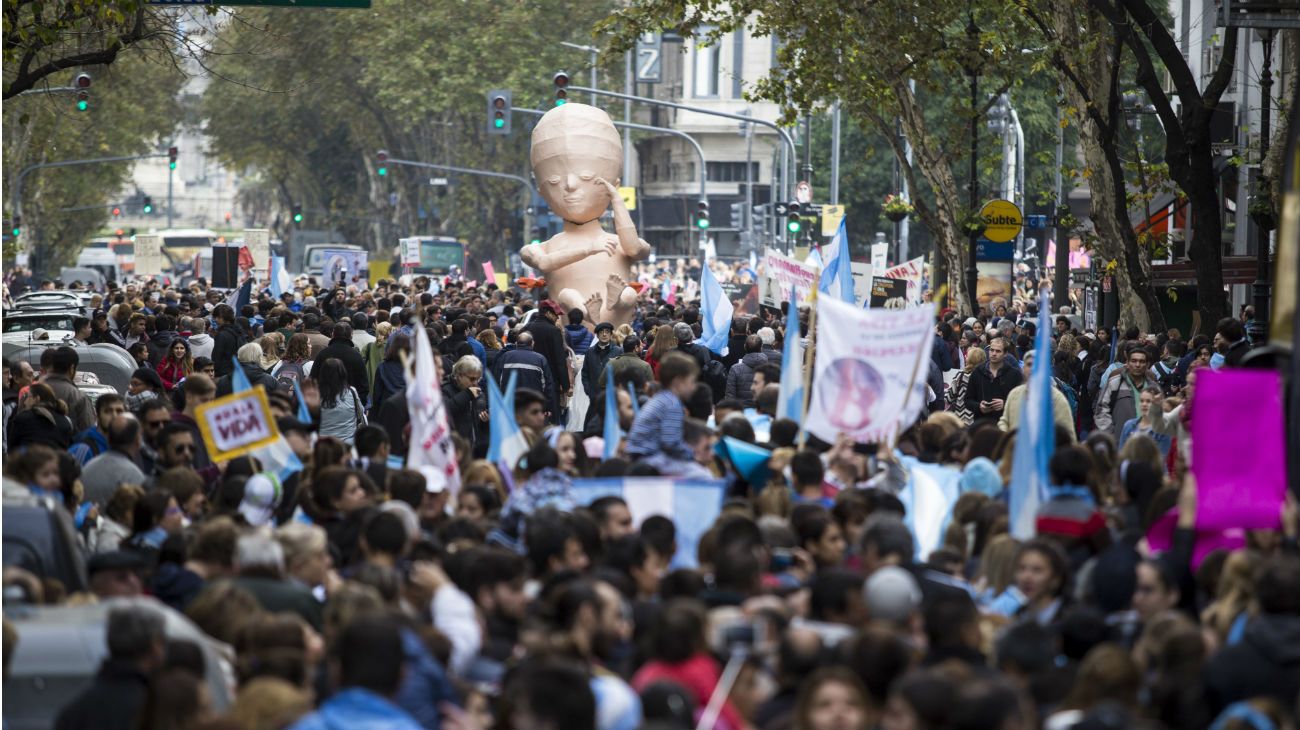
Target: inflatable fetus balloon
x=576 y=153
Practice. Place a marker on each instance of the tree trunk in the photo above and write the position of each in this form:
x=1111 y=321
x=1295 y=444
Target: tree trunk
x=1206 y=247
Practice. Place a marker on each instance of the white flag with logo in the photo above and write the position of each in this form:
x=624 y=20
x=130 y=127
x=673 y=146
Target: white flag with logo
x=430 y=444
x=865 y=361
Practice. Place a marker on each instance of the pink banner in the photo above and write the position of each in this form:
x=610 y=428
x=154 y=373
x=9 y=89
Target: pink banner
x=489 y=273
x=1160 y=538
x=1238 y=453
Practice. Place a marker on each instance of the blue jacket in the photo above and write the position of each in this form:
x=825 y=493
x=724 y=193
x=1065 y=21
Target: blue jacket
x=425 y=684
x=88 y=444
x=357 y=709
x=578 y=337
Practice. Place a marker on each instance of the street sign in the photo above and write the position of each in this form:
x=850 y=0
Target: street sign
x=649 y=58
x=1035 y=221
x=361 y=4
x=781 y=209
x=437 y=181
x=831 y=217
x=803 y=192
x=629 y=197
x=1002 y=220
x=410 y=251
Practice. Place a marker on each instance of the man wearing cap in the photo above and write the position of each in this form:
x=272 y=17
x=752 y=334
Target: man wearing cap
x=599 y=353
x=116 y=574
x=548 y=341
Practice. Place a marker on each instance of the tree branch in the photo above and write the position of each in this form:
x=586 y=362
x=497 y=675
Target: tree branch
x=1165 y=46
x=1223 y=72
x=26 y=79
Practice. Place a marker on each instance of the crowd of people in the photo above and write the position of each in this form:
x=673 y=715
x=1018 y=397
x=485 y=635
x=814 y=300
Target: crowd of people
x=356 y=592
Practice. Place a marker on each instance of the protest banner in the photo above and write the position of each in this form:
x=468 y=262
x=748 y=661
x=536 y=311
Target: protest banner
x=236 y=424
x=148 y=255
x=743 y=296
x=861 y=282
x=866 y=383
x=258 y=242
x=431 y=451
x=879 y=258
x=1238 y=453
x=888 y=293
x=345 y=266
x=692 y=504
x=913 y=272
x=780 y=274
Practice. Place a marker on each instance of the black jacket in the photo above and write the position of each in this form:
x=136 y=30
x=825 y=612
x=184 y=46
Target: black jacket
x=390 y=379
x=350 y=356
x=549 y=342
x=740 y=380
x=226 y=341
x=984 y=386
x=534 y=373
x=1236 y=351
x=699 y=352
x=158 y=345
x=39 y=426
x=1265 y=663
x=113 y=701
x=594 y=364
x=393 y=416
x=463 y=409
x=256 y=376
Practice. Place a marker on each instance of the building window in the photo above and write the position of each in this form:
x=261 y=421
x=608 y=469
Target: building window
x=731 y=171
x=738 y=65
x=707 y=67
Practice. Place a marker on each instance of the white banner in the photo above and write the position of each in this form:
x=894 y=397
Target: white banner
x=345 y=266
x=431 y=450
x=864 y=363
x=780 y=273
x=861 y=282
x=258 y=241
x=879 y=258
x=148 y=255
x=913 y=271
x=410 y=251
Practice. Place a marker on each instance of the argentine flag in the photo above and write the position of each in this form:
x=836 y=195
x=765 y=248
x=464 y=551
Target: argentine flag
x=1036 y=437
x=612 y=432
x=837 y=275
x=280 y=279
x=692 y=504
x=278 y=457
x=716 y=311
x=791 y=403
x=507 y=442
x=240 y=296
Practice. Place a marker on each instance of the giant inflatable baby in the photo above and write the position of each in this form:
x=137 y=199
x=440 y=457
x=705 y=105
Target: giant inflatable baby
x=576 y=153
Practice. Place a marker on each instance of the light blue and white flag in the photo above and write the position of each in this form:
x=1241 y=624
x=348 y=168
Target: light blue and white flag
x=304 y=413
x=716 y=311
x=791 y=403
x=928 y=499
x=238 y=378
x=636 y=407
x=240 y=296
x=692 y=504
x=612 y=433
x=1036 y=437
x=837 y=273
x=507 y=442
x=281 y=282
x=277 y=457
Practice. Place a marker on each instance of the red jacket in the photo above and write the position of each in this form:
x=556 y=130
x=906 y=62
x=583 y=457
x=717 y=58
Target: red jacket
x=170 y=371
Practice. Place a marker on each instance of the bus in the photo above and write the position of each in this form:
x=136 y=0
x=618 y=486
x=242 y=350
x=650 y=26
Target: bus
x=438 y=254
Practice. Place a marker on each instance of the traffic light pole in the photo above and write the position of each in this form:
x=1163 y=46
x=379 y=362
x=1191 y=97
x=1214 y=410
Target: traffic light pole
x=792 y=159
x=171 y=172
x=528 y=185
x=18 y=181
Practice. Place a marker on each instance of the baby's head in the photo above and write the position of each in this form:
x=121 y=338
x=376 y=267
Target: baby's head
x=574 y=144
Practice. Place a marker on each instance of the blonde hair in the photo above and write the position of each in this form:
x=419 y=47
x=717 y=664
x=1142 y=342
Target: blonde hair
x=622 y=332
x=998 y=564
x=482 y=471
x=300 y=542
x=975 y=356
x=269 y=703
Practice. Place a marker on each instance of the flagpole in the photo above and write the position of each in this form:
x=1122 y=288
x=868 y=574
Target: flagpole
x=808 y=359
x=907 y=396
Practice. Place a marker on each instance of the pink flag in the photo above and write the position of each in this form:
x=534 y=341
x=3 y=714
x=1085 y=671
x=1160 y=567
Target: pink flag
x=489 y=273
x=1238 y=454
x=1160 y=538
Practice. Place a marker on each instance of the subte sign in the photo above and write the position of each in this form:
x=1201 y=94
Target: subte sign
x=1002 y=220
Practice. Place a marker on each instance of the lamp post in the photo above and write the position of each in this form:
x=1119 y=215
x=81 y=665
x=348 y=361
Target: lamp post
x=1263 y=224
x=972 y=70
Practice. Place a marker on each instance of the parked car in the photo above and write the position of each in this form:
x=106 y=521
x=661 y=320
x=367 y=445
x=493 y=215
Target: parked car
x=111 y=364
x=59 y=650
x=39 y=537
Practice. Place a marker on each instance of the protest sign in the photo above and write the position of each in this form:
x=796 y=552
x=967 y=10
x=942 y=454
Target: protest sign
x=693 y=505
x=867 y=361
x=1238 y=454
x=879 y=258
x=148 y=255
x=888 y=293
x=236 y=424
x=258 y=241
x=912 y=271
x=780 y=274
x=743 y=296
x=861 y=282
x=345 y=266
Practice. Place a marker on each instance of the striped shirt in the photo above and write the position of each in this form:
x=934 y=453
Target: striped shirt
x=658 y=429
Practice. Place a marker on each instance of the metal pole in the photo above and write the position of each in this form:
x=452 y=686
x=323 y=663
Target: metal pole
x=18 y=180
x=748 y=217
x=629 y=82
x=905 y=228
x=170 y=174
x=595 y=59
x=785 y=136
x=972 y=274
x=835 y=153
x=1260 y=287
x=1020 y=178
x=807 y=166
x=1061 y=285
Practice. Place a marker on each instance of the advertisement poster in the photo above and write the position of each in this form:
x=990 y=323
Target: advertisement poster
x=780 y=274
x=258 y=241
x=866 y=363
x=888 y=293
x=993 y=262
x=744 y=297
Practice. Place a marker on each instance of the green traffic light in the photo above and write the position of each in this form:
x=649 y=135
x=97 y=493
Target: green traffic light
x=383 y=171
x=148 y=209
x=83 y=105
x=297 y=218
x=561 y=102
x=499 y=123
x=702 y=223
x=17 y=232
x=794 y=225
x=536 y=242
x=171 y=165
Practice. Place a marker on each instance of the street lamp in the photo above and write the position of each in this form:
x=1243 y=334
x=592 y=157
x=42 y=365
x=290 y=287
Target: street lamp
x=972 y=70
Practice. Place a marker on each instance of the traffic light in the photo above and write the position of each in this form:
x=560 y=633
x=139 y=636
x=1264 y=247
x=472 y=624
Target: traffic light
x=116 y=211
x=794 y=224
x=171 y=158
x=759 y=221
x=382 y=155
x=537 y=235
x=297 y=213
x=498 y=111
x=147 y=206
x=702 y=215
x=18 y=226
x=83 y=100
x=561 y=81
x=738 y=215
x=82 y=84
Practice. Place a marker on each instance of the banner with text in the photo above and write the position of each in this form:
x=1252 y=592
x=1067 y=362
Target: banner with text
x=780 y=274
x=148 y=255
x=237 y=424
x=913 y=272
x=866 y=363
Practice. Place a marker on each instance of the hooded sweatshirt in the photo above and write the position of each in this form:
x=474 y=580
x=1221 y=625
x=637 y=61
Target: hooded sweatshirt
x=1265 y=663
x=159 y=343
x=578 y=337
x=201 y=345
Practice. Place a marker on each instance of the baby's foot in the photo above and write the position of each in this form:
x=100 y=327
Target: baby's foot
x=595 y=305
x=614 y=287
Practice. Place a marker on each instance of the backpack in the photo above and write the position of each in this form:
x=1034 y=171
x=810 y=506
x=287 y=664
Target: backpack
x=715 y=376
x=288 y=374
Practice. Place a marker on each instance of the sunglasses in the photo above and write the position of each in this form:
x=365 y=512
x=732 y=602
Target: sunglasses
x=183 y=447
x=156 y=424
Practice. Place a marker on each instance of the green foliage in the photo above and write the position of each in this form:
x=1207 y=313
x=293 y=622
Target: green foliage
x=310 y=97
x=135 y=105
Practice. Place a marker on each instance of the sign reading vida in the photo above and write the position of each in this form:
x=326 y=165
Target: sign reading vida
x=236 y=424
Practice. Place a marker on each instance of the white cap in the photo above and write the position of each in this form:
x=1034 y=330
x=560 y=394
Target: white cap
x=262 y=494
x=891 y=594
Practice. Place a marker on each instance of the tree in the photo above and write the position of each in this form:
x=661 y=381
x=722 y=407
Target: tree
x=864 y=54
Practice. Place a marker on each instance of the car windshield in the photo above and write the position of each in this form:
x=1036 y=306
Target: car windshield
x=48 y=322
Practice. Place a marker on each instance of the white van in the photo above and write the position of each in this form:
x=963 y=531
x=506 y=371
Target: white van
x=103 y=260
